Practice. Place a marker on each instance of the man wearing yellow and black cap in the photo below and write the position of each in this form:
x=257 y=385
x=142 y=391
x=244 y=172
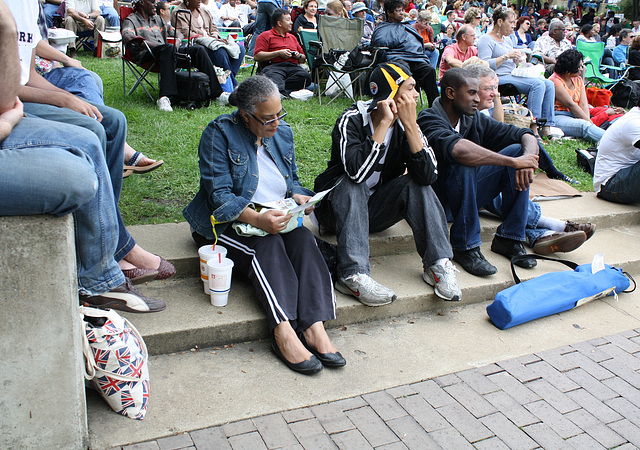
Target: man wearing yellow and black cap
x=384 y=166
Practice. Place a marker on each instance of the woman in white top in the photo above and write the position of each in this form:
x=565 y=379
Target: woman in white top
x=496 y=48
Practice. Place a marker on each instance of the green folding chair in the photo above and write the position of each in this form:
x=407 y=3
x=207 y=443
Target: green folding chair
x=592 y=52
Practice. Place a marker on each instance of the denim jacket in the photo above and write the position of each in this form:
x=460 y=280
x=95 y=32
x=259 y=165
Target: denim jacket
x=229 y=171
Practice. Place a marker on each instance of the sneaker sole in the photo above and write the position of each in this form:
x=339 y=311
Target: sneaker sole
x=120 y=305
x=564 y=244
x=345 y=290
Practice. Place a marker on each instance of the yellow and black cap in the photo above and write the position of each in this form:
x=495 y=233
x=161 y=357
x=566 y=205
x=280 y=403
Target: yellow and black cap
x=385 y=81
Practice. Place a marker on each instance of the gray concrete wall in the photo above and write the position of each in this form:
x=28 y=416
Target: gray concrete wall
x=42 y=395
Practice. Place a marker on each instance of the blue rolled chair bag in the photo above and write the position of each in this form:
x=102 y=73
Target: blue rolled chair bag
x=554 y=292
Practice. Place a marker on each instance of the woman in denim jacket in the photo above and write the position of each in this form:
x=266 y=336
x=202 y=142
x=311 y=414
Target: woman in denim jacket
x=247 y=157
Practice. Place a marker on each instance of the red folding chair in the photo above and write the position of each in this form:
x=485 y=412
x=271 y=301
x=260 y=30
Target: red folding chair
x=139 y=71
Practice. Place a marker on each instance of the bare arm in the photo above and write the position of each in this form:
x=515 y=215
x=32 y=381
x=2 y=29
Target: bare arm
x=10 y=106
x=10 y=67
x=39 y=90
x=44 y=50
x=498 y=110
x=563 y=96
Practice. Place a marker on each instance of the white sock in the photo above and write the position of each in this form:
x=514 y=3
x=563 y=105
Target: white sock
x=551 y=224
x=547 y=233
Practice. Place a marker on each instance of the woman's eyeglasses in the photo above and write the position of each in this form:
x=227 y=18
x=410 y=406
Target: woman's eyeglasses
x=281 y=115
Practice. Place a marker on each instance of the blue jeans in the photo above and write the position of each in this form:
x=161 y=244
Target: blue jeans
x=263 y=22
x=623 y=187
x=534 y=212
x=541 y=94
x=112 y=133
x=352 y=212
x=80 y=82
x=433 y=57
x=59 y=169
x=221 y=58
x=574 y=127
x=49 y=11
x=466 y=189
x=109 y=13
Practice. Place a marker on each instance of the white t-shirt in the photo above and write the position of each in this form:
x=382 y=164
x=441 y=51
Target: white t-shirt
x=85 y=6
x=374 y=178
x=616 y=149
x=212 y=7
x=25 y=13
x=236 y=13
x=271 y=184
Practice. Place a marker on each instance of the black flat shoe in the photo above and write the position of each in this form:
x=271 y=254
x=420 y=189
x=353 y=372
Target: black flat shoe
x=308 y=367
x=327 y=359
x=510 y=248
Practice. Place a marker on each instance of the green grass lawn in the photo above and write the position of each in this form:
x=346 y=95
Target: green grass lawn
x=159 y=196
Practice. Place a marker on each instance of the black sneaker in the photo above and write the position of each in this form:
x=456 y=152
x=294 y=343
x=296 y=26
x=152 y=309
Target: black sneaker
x=123 y=298
x=474 y=262
x=510 y=248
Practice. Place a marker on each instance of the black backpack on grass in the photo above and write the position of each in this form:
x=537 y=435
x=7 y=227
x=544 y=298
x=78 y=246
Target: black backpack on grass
x=626 y=94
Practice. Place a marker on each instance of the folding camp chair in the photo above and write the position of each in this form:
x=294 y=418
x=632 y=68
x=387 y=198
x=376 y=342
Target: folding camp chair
x=139 y=71
x=592 y=52
x=338 y=34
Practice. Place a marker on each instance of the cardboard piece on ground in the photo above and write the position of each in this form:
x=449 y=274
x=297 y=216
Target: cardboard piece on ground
x=544 y=188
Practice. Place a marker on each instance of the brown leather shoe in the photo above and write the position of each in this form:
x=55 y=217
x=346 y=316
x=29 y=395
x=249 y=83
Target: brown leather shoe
x=588 y=228
x=559 y=242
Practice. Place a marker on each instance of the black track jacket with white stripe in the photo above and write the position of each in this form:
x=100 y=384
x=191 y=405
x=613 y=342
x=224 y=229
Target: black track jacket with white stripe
x=355 y=153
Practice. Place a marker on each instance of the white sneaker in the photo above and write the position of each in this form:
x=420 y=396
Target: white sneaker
x=223 y=99
x=365 y=289
x=164 y=104
x=443 y=280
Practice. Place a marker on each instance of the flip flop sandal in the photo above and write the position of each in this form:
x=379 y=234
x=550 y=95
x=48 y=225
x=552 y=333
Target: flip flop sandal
x=132 y=164
x=126 y=173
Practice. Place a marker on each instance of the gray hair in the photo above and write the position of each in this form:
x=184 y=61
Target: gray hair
x=253 y=90
x=555 y=23
x=480 y=71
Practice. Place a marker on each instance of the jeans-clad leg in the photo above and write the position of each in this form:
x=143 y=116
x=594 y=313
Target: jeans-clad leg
x=534 y=212
x=541 y=95
x=469 y=188
x=623 y=187
x=263 y=22
x=112 y=133
x=574 y=127
x=403 y=198
x=109 y=13
x=59 y=169
x=220 y=57
x=433 y=57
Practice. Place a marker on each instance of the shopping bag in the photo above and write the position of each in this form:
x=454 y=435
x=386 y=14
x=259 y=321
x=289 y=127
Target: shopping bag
x=116 y=361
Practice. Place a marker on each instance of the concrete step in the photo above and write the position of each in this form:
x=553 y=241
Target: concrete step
x=173 y=240
x=196 y=390
x=191 y=322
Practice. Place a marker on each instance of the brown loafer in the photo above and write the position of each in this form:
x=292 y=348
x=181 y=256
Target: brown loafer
x=588 y=228
x=559 y=242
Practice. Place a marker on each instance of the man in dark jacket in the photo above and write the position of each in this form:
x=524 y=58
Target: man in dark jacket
x=405 y=43
x=146 y=24
x=384 y=167
x=479 y=158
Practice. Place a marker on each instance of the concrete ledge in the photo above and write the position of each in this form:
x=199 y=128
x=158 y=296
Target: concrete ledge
x=42 y=396
x=173 y=240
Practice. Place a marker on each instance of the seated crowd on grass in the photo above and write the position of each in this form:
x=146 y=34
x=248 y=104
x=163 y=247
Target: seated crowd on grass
x=388 y=161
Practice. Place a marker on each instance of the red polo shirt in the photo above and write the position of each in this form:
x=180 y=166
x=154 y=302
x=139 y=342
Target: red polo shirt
x=271 y=41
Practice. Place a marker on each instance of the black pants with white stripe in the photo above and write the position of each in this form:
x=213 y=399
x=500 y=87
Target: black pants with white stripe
x=288 y=274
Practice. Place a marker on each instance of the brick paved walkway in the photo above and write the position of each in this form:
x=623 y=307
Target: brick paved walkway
x=581 y=396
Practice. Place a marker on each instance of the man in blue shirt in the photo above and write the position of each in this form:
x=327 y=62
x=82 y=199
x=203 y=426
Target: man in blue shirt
x=620 y=51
